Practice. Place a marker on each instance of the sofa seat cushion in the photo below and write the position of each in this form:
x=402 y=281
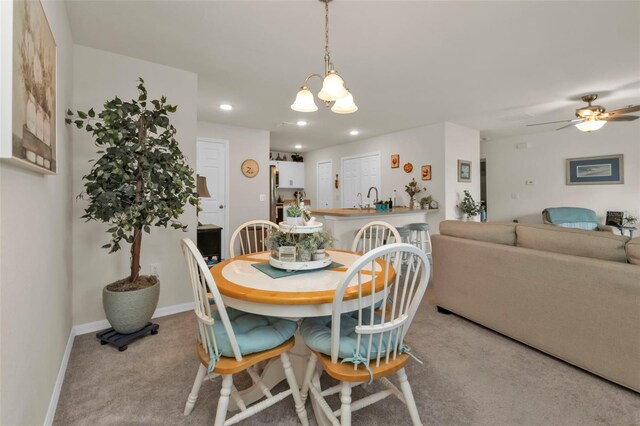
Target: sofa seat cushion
x=576 y=242
x=254 y=333
x=490 y=232
x=633 y=251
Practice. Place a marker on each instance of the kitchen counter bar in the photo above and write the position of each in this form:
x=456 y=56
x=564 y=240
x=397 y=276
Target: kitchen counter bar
x=344 y=223
x=354 y=212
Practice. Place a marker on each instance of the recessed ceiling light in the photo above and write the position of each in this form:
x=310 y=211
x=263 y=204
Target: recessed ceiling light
x=226 y=107
x=301 y=123
x=354 y=132
x=298 y=146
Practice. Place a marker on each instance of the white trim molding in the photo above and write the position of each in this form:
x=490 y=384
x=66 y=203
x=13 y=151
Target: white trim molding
x=91 y=327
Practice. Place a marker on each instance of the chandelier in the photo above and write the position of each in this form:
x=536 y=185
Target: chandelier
x=333 y=88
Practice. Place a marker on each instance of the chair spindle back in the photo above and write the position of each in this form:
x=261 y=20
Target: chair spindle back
x=251 y=237
x=382 y=330
x=202 y=284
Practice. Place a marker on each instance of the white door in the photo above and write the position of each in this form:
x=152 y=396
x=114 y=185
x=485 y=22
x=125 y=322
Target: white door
x=212 y=163
x=325 y=185
x=359 y=174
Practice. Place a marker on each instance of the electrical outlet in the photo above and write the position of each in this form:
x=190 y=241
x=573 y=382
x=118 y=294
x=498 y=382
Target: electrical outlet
x=263 y=197
x=155 y=269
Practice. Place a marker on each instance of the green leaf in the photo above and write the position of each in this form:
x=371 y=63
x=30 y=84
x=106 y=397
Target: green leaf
x=91 y=113
x=82 y=114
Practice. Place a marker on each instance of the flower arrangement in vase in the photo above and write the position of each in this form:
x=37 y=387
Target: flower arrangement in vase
x=412 y=189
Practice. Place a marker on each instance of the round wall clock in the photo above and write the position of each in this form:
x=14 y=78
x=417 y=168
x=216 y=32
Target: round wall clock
x=408 y=167
x=434 y=204
x=250 y=168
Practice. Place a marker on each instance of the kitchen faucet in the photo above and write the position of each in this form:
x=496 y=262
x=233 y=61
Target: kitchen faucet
x=375 y=200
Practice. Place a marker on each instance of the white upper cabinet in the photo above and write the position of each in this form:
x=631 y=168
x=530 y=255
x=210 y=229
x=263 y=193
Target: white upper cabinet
x=291 y=174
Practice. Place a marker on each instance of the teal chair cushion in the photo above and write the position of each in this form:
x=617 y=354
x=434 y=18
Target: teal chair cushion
x=587 y=226
x=254 y=333
x=563 y=215
x=316 y=333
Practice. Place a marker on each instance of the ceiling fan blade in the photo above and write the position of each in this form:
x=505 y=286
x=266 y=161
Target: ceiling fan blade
x=621 y=118
x=569 y=125
x=554 y=122
x=633 y=108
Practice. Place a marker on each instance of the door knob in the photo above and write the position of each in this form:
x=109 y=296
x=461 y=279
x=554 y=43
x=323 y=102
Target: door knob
x=221 y=206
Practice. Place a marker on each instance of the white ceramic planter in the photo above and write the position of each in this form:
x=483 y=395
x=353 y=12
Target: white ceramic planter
x=130 y=311
x=295 y=221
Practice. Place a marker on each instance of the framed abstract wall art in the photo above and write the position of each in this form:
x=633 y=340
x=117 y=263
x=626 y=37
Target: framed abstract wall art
x=601 y=170
x=28 y=118
x=464 y=171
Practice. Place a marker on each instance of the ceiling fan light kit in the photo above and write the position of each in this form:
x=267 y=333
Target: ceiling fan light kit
x=590 y=124
x=333 y=88
x=593 y=117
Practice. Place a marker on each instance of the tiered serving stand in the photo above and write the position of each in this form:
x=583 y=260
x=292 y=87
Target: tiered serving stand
x=300 y=265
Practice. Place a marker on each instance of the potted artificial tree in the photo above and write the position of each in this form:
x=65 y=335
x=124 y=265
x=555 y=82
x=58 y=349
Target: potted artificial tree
x=469 y=207
x=140 y=180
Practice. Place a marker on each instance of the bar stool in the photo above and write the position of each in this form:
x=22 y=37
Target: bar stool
x=420 y=237
x=404 y=234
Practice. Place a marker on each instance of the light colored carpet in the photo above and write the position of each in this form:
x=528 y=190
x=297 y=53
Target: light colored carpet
x=470 y=375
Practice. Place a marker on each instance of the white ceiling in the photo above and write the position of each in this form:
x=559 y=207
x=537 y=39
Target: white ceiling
x=493 y=66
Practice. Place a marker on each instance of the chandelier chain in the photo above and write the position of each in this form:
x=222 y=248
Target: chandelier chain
x=326 y=27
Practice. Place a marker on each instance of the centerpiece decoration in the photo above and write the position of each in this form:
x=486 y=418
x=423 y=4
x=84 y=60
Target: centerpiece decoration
x=412 y=189
x=300 y=243
x=469 y=207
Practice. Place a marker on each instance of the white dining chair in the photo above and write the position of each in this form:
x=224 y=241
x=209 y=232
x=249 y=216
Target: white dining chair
x=374 y=234
x=231 y=341
x=251 y=237
x=358 y=347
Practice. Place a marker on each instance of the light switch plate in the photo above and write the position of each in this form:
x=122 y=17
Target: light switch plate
x=263 y=197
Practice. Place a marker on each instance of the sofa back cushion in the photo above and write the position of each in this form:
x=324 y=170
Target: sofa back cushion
x=576 y=242
x=633 y=251
x=490 y=232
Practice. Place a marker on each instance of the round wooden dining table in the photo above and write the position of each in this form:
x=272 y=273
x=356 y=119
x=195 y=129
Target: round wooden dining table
x=299 y=295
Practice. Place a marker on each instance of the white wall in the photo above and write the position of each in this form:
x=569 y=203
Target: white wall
x=35 y=249
x=440 y=145
x=461 y=143
x=244 y=192
x=99 y=76
x=419 y=146
x=544 y=162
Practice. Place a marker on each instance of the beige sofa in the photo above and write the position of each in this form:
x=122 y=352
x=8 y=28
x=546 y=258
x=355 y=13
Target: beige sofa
x=570 y=293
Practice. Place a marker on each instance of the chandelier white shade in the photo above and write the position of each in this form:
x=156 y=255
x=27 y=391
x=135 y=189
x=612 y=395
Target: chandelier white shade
x=304 y=101
x=590 y=124
x=333 y=88
x=344 y=105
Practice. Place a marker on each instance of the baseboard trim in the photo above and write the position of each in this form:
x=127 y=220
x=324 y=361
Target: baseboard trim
x=174 y=309
x=92 y=327
x=55 y=395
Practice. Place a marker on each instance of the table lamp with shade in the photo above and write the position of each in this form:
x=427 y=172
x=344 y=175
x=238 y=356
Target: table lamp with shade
x=203 y=191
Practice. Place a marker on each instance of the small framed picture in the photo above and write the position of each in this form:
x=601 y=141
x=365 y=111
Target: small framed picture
x=602 y=170
x=426 y=172
x=464 y=171
x=614 y=218
x=395 y=161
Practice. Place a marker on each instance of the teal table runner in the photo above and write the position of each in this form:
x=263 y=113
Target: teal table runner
x=279 y=273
